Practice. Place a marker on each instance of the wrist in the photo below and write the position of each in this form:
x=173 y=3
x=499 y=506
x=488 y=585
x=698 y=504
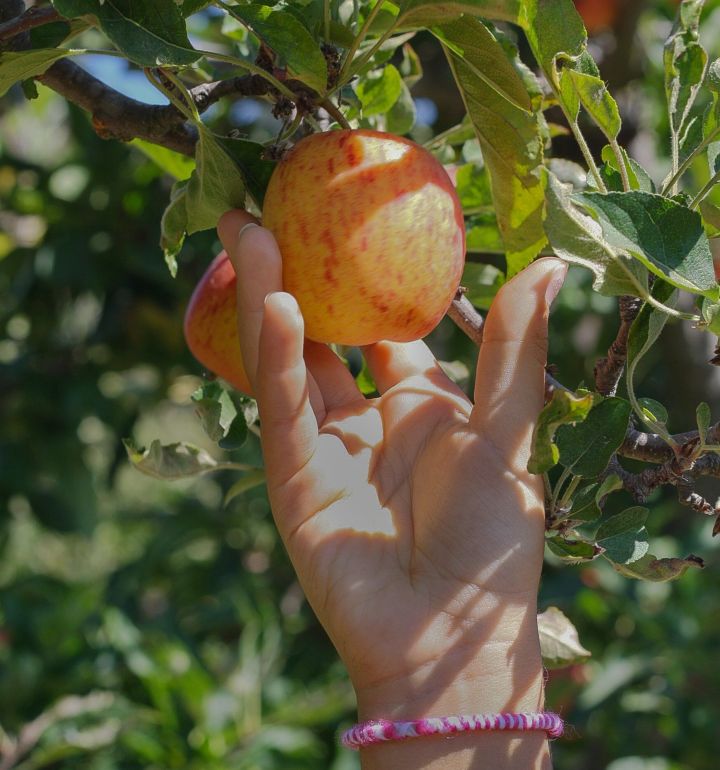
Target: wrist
x=487 y=669
x=495 y=679
x=483 y=675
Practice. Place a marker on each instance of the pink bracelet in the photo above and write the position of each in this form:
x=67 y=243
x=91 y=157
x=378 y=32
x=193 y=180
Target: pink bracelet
x=376 y=731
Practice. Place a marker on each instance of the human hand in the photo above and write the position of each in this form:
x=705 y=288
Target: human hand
x=411 y=520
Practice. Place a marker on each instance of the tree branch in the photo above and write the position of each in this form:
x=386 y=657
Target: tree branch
x=116 y=116
x=33 y=17
x=463 y=313
x=248 y=85
x=608 y=370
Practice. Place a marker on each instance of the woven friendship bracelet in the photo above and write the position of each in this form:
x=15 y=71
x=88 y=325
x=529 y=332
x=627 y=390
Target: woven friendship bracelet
x=376 y=731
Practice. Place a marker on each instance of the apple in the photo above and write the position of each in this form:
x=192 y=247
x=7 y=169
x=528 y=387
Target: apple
x=371 y=234
x=597 y=14
x=211 y=324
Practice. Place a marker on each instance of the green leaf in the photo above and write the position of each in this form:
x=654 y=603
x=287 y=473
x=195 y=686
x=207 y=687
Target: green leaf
x=654 y=410
x=174 y=461
x=55 y=33
x=665 y=236
x=711 y=132
x=400 y=119
x=175 y=164
x=508 y=129
x=589 y=501
x=247 y=481
x=559 y=641
x=569 y=172
x=571 y=551
x=215 y=186
x=189 y=7
x=563 y=408
x=426 y=13
x=20 y=65
x=659 y=570
x=586 y=448
x=579 y=88
x=553 y=28
x=219 y=416
x=255 y=169
x=149 y=34
x=637 y=176
x=410 y=67
x=482 y=234
x=703 y=418
x=173 y=225
x=685 y=61
x=584 y=504
x=711 y=315
x=577 y=238
x=457 y=134
x=624 y=536
x=482 y=283
x=472 y=184
x=365 y=381
x=711 y=217
x=379 y=91
x=289 y=39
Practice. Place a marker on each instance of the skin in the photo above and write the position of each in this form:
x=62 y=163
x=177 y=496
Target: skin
x=415 y=530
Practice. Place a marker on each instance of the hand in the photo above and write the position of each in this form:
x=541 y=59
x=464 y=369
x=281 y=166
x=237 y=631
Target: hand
x=411 y=520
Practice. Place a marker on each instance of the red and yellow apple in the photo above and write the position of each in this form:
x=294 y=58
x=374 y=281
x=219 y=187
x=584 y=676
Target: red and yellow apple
x=597 y=15
x=211 y=324
x=372 y=239
x=371 y=234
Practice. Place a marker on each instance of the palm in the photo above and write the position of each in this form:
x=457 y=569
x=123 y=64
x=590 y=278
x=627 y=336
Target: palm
x=407 y=505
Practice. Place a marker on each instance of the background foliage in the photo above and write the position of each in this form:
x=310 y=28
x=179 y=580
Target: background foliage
x=145 y=624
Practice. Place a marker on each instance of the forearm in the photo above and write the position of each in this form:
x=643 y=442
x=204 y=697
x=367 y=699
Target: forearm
x=493 y=678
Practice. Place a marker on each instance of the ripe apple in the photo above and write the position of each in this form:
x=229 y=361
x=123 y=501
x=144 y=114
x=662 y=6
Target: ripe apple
x=597 y=14
x=371 y=234
x=211 y=324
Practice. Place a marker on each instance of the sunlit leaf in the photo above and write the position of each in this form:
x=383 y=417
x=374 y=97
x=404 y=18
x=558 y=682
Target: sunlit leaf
x=559 y=641
x=509 y=131
x=563 y=408
x=149 y=34
x=20 y=65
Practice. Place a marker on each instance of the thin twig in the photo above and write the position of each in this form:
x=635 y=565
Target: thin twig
x=334 y=112
x=33 y=17
x=608 y=370
x=463 y=313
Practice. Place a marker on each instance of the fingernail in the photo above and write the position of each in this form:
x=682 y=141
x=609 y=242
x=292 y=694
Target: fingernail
x=286 y=301
x=244 y=228
x=555 y=283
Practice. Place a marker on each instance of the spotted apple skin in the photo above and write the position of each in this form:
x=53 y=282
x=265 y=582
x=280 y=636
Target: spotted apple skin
x=211 y=324
x=371 y=233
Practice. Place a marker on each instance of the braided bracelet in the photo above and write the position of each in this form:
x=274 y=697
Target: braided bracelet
x=376 y=731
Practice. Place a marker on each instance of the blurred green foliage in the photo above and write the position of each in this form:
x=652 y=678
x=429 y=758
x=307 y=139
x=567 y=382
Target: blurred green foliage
x=145 y=625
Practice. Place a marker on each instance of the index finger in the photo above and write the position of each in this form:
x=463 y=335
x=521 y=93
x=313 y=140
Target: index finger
x=259 y=268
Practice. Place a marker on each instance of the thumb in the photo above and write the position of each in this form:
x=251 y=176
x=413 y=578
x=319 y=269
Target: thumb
x=510 y=379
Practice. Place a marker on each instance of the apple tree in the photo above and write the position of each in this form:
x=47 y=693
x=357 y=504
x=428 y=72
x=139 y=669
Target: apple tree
x=528 y=85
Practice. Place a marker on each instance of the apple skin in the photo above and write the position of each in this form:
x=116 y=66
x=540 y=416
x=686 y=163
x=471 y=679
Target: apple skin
x=597 y=15
x=371 y=234
x=211 y=324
